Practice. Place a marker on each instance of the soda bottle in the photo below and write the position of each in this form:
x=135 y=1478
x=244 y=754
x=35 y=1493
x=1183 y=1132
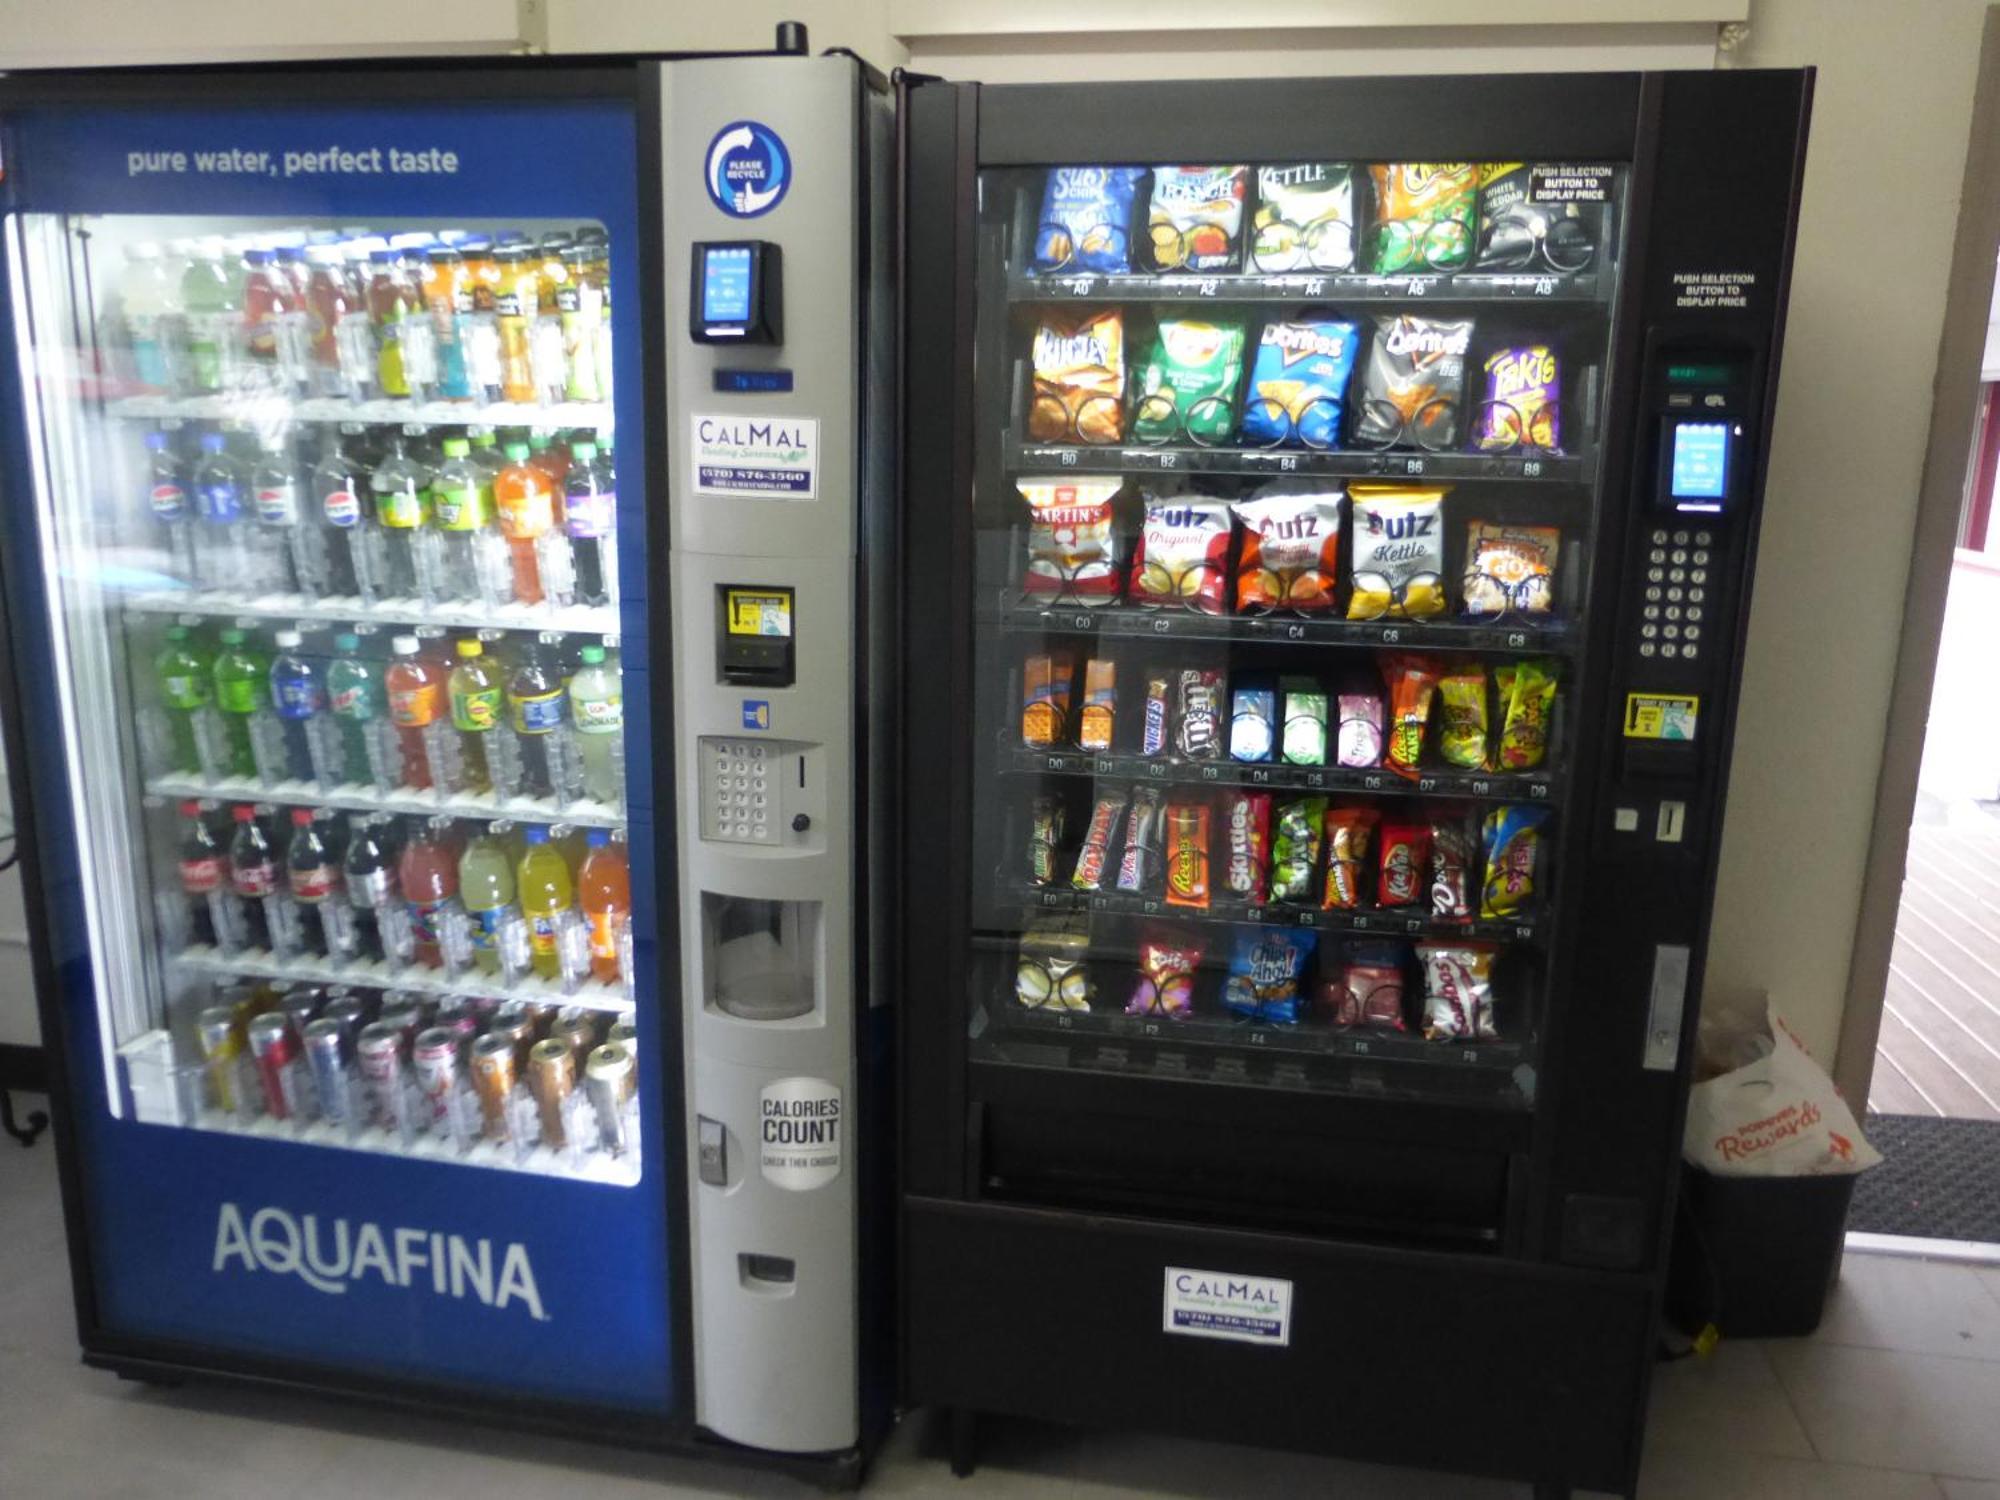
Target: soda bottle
x=393 y=306
x=590 y=516
x=550 y=456
x=241 y=683
x=372 y=889
x=581 y=301
x=290 y=555
x=342 y=510
x=479 y=317
x=296 y=695
x=354 y=698
x=486 y=886
x=168 y=500
x=486 y=455
x=516 y=304
x=204 y=870
x=604 y=891
x=416 y=695
x=400 y=489
x=147 y=298
x=253 y=873
x=429 y=877
x=444 y=286
x=184 y=669
x=543 y=882
x=462 y=510
x=597 y=708
x=535 y=704
x=475 y=709
x=526 y=503
x=225 y=555
x=270 y=309
x=212 y=309
x=315 y=883
x=340 y=345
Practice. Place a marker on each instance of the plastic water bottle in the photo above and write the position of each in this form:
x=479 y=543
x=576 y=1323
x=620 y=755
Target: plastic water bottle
x=597 y=709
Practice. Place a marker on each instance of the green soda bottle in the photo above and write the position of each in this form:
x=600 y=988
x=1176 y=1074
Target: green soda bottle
x=183 y=668
x=241 y=686
x=354 y=697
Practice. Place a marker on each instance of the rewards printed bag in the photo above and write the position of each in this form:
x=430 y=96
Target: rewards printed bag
x=1777 y=1115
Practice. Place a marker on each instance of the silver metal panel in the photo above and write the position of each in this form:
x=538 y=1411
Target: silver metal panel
x=1663 y=1013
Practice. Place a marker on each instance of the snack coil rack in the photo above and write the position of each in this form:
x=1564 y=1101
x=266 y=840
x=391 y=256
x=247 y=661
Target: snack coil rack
x=1545 y=289
x=1285 y=463
x=257 y=963
x=1384 y=922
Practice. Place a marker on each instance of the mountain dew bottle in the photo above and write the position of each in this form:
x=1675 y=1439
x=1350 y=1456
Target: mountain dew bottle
x=183 y=668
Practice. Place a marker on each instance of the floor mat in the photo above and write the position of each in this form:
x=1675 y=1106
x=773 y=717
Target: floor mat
x=1939 y=1179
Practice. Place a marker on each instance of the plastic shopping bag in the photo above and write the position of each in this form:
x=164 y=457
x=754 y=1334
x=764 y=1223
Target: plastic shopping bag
x=1776 y=1114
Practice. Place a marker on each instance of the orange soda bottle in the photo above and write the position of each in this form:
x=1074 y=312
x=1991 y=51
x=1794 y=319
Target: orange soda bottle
x=604 y=891
x=526 y=503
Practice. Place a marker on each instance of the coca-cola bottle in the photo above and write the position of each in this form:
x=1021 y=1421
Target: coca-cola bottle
x=204 y=870
x=315 y=882
x=253 y=873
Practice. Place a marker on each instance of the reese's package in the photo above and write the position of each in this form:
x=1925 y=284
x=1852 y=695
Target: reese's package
x=1304 y=219
x=1298 y=384
x=1291 y=547
x=1413 y=386
x=1423 y=216
x=1079 y=378
x=1187 y=388
x=1086 y=219
x=1196 y=219
x=1073 y=550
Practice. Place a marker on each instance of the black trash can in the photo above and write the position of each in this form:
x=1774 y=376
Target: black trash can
x=1756 y=1256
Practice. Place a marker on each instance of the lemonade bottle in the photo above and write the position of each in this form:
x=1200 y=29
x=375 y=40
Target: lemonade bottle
x=543 y=882
x=476 y=691
x=486 y=886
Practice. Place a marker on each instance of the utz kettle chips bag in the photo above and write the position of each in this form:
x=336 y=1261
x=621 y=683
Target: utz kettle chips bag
x=1304 y=219
x=1086 y=219
x=1423 y=216
x=1196 y=221
x=1398 y=551
x=1413 y=387
x=1072 y=539
x=1298 y=384
x=1079 y=379
x=1187 y=388
x=1291 y=547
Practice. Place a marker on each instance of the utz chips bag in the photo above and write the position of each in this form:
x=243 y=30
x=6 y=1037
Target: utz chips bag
x=1517 y=235
x=1513 y=844
x=1079 y=379
x=1298 y=384
x=1423 y=216
x=1168 y=959
x=1304 y=219
x=1521 y=408
x=1051 y=973
x=1291 y=547
x=1398 y=552
x=1072 y=539
x=1458 y=991
x=1510 y=569
x=1265 y=967
x=1196 y=222
x=1183 y=554
x=1086 y=219
x=1527 y=695
x=1188 y=385
x=1413 y=387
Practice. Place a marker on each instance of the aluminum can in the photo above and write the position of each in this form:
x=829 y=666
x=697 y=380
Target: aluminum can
x=516 y=1021
x=435 y=1057
x=378 y=1056
x=406 y=1012
x=326 y=1055
x=494 y=1069
x=624 y=1033
x=577 y=1027
x=275 y=1047
x=609 y=1080
x=221 y=1036
x=552 y=1079
x=350 y=1012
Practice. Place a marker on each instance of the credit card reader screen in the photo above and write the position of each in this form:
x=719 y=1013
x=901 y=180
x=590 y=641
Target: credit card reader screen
x=1698 y=468
x=738 y=293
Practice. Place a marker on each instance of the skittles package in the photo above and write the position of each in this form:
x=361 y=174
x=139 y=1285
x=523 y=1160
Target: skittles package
x=1187 y=388
x=1246 y=826
x=1298 y=384
x=1423 y=216
x=1264 y=971
x=1196 y=221
x=1086 y=219
x=1304 y=219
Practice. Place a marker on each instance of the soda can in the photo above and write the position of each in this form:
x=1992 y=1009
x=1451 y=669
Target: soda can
x=275 y=1047
x=578 y=1028
x=221 y=1036
x=301 y=1002
x=459 y=1016
x=552 y=1079
x=326 y=1055
x=406 y=1012
x=516 y=1021
x=609 y=1080
x=435 y=1057
x=494 y=1069
x=349 y=1012
x=378 y=1056
x=624 y=1033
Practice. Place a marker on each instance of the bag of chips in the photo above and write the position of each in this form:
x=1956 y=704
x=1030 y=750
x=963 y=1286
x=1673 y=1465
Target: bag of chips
x=1360 y=731
x=1140 y=862
x=1522 y=408
x=1046 y=682
x=1298 y=384
x=1510 y=569
x=1183 y=554
x=1196 y=223
x=1423 y=216
x=1168 y=959
x=1413 y=386
x=1513 y=840
x=1304 y=219
x=1462 y=717
x=1045 y=832
x=1295 y=848
x=1187 y=387
x=1073 y=540
x=1079 y=378
x=1087 y=219
x=1521 y=236
x=1348 y=830
x=1368 y=990
x=1398 y=552
x=1403 y=877
x=1291 y=548
x=1099 y=841
x=1452 y=852
x=1253 y=723
x=1051 y=973
x=1187 y=854
x=1412 y=682
x=1246 y=819
x=1458 y=991
x=1264 y=970
x=1527 y=697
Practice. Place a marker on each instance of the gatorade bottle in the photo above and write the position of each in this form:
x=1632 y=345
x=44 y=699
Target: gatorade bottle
x=550 y=456
x=416 y=697
x=354 y=698
x=342 y=512
x=461 y=509
x=444 y=284
x=479 y=317
x=393 y=302
x=147 y=296
x=333 y=316
x=204 y=870
x=526 y=503
x=535 y=704
x=296 y=695
x=590 y=515
x=486 y=454
x=184 y=674
x=315 y=878
x=515 y=306
x=253 y=873
x=269 y=303
x=400 y=489
x=429 y=877
x=224 y=549
x=475 y=709
x=486 y=885
x=604 y=891
x=372 y=888
x=213 y=312
x=289 y=557
x=597 y=708
x=546 y=893
x=242 y=679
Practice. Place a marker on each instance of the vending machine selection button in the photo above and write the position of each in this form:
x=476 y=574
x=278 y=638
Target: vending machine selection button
x=1703 y=538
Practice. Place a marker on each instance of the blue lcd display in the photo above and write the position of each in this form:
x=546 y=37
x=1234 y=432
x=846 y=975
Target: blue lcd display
x=1701 y=461
x=725 y=284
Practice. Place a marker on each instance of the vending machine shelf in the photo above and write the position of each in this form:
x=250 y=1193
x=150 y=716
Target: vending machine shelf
x=1552 y=288
x=575 y=619
x=1539 y=787
x=1542 y=636
x=583 y=813
x=255 y=409
x=1284 y=463
x=476 y=984
x=1383 y=922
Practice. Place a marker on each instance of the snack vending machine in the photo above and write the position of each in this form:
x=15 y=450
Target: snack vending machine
x=1331 y=511
x=344 y=485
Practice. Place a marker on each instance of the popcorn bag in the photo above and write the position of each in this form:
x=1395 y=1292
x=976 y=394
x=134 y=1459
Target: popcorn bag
x=1775 y=1115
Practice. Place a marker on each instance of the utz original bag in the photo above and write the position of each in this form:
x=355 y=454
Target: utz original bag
x=1777 y=1115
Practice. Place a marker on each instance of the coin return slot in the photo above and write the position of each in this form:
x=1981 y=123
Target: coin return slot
x=772 y=1275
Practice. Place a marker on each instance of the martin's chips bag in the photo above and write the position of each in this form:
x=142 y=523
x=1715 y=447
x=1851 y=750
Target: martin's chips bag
x=1196 y=222
x=1086 y=219
x=1298 y=384
x=1073 y=539
x=1079 y=379
x=1187 y=388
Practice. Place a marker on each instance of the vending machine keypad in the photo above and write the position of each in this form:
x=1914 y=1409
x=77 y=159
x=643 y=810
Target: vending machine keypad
x=1676 y=604
x=738 y=801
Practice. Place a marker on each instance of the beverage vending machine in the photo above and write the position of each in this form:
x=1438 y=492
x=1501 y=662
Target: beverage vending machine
x=376 y=572
x=1331 y=511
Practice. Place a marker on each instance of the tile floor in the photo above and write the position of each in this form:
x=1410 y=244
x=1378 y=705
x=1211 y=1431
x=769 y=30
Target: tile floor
x=1896 y=1398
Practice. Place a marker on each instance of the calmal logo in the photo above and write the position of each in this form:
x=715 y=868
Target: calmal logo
x=330 y=1255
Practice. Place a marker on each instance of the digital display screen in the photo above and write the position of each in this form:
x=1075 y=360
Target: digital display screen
x=725 y=284
x=1700 y=468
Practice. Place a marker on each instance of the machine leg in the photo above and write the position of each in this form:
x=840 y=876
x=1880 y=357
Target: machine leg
x=38 y=1121
x=159 y=1381
x=964 y=1440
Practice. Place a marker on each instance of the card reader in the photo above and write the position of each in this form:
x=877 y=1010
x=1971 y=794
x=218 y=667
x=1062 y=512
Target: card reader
x=738 y=295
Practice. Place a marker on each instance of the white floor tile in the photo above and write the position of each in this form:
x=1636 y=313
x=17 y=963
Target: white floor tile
x=1673 y=1472
x=1970 y=1489
x=1917 y=1306
x=1989 y=1277
x=1896 y=1411
x=1731 y=1400
x=1126 y=1467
